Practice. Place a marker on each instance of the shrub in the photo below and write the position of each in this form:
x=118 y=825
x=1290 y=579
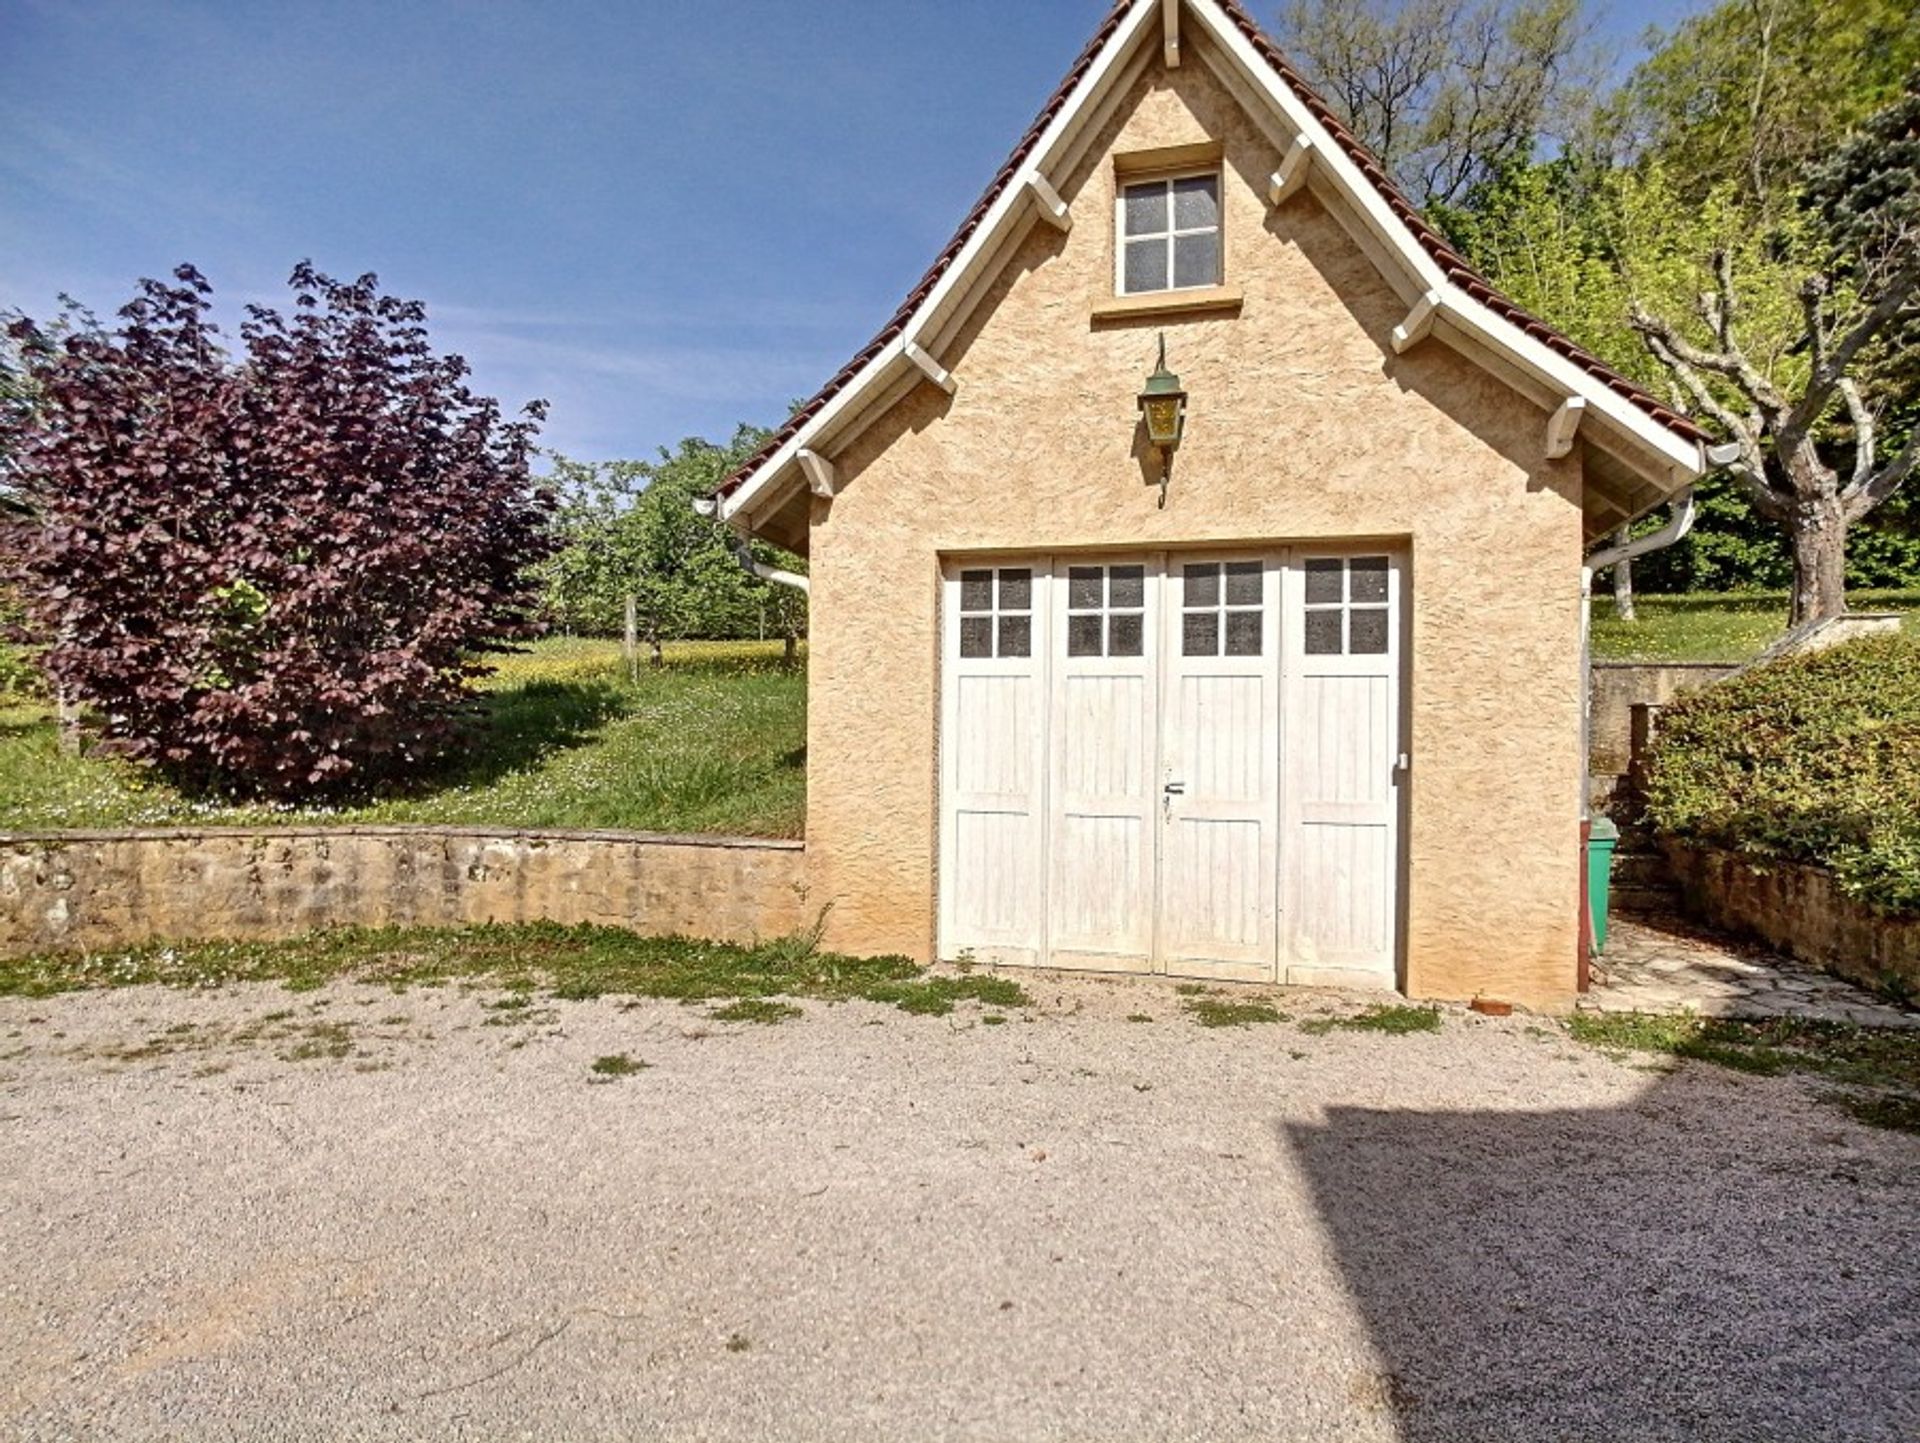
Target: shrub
x=1811 y=759
x=268 y=576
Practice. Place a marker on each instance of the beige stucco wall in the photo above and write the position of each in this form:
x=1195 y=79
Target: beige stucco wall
x=1303 y=424
x=94 y=890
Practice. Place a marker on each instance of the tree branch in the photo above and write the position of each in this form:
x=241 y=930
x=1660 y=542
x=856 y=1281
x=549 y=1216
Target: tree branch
x=1751 y=469
x=1862 y=497
x=1731 y=364
x=1832 y=364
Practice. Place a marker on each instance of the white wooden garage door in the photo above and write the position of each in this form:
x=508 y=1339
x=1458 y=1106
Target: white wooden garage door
x=1183 y=763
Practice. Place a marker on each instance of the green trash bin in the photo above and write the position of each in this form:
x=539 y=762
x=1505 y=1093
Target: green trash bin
x=1603 y=837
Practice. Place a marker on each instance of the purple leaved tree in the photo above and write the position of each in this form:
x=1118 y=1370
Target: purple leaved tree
x=269 y=574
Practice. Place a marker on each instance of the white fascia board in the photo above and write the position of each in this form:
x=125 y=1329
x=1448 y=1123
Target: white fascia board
x=1013 y=202
x=1460 y=308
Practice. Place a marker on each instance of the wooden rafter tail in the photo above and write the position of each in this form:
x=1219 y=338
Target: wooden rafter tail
x=1170 y=33
x=822 y=479
x=1419 y=322
x=1563 y=425
x=1053 y=210
x=1295 y=165
x=930 y=368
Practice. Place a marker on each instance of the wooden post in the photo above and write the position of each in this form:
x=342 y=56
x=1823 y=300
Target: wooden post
x=68 y=715
x=630 y=639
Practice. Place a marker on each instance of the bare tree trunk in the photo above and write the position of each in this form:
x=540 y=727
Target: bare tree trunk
x=1623 y=578
x=658 y=656
x=630 y=640
x=790 y=654
x=1819 y=539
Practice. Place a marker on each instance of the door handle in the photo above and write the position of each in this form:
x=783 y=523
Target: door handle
x=1176 y=789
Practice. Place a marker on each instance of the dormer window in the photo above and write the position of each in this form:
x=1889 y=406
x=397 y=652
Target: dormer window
x=1170 y=234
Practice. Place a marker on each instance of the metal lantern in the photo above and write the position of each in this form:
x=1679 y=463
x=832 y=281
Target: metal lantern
x=1164 y=404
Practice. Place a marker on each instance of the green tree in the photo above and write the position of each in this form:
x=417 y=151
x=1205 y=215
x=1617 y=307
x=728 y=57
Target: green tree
x=629 y=528
x=1446 y=92
x=1747 y=92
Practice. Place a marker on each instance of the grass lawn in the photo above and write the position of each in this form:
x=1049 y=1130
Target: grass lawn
x=1715 y=627
x=574 y=963
x=713 y=742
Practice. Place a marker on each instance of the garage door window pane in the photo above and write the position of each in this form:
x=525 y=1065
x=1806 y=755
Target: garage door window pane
x=1083 y=635
x=1127 y=586
x=1367 y=631
x=1203 y=586
x=1200 y=633
x=1243 y=633
x=1243 y=583
x=1084 y=587
x=1324 y=578
x=976 y=637
x=1016 y=636
x=1016 y=589
x=1369 y=578
x=976 y=591
x=1323 y=633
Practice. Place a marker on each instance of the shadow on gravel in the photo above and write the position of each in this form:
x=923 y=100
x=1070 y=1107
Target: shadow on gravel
x=1664 y=1271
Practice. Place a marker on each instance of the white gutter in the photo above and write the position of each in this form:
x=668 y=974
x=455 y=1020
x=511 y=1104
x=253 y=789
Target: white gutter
x=709 y=506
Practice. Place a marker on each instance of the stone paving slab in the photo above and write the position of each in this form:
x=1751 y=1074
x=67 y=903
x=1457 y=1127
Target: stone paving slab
x=1660 y=962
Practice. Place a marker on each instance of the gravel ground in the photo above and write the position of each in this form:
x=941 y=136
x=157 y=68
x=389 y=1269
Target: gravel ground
x=254 y=1214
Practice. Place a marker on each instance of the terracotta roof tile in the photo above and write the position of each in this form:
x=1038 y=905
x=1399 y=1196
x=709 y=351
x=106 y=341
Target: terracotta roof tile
x=1455 y=266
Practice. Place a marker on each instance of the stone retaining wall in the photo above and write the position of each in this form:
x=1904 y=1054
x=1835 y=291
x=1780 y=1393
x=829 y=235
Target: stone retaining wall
x=1801 y=911
x=1617 y=686
x=93 y=890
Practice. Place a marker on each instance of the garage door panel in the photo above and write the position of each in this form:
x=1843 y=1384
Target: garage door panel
x=1103 y=740
x=993 y=717
x=1345 y=870
x=1094 y=909
x=995 y=898
x=1340 y=837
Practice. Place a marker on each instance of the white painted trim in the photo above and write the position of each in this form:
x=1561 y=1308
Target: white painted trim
x=1563 y=425
x=1295 y=166
x=1046 y=200
x=932 y=369
x=1170 y=33
x=1683 y=459
x=1419 y=322
x=822 y=479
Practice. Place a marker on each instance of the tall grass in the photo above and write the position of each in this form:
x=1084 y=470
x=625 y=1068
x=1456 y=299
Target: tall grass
x=714 y=741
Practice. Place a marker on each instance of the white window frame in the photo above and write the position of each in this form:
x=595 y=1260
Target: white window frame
x=1218 y=229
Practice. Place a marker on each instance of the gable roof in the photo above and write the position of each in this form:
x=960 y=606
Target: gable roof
x=1595 y=377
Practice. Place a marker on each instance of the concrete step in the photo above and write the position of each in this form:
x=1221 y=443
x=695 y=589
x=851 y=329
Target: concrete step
x=1635 y=868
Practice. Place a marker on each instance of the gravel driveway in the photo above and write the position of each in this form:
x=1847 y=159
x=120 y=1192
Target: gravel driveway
x=255 y=1214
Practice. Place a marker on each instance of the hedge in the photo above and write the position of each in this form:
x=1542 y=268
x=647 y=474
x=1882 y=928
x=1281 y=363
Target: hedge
x=1810 y=759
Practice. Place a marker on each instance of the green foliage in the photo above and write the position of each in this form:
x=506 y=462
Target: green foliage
x=1745 y=93
x=1214 y=1012
x=1396 y=1019
x=1880 y=1068
x=1811 y=759
x=575 y=963
x=629 y=528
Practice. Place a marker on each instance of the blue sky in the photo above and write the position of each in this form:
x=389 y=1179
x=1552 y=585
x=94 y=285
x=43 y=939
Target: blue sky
x=662 y=217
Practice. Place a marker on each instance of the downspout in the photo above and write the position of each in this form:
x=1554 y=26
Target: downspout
x=709 y=506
